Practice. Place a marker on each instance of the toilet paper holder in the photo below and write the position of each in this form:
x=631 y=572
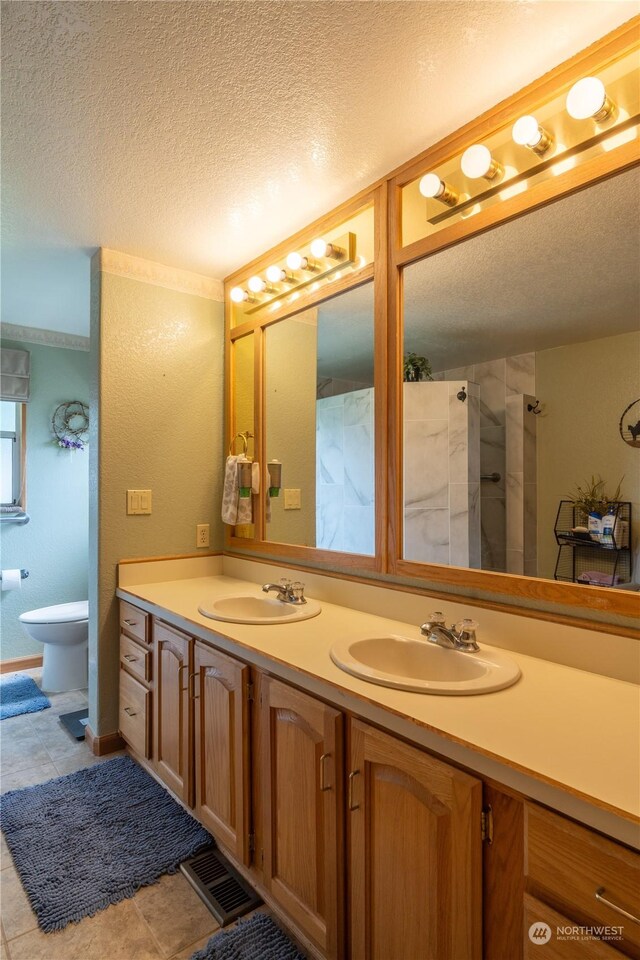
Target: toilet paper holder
x=23 y=574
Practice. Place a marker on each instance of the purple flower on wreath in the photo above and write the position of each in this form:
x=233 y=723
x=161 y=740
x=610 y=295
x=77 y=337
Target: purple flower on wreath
x=71 y=444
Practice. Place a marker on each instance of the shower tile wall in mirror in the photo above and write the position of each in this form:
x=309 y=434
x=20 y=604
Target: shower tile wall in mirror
x=531 y=337
x=319 y=424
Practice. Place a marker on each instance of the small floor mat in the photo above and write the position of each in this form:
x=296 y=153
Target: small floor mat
x=94 y=837
x=258 y=938
x=20 y=694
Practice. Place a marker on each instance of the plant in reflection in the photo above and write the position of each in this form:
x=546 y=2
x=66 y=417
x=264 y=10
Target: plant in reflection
x=416 y=368
x=592 y=497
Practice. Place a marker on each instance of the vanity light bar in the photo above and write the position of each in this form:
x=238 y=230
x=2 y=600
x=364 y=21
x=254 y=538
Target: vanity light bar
x=587 y=99
x=264 y=292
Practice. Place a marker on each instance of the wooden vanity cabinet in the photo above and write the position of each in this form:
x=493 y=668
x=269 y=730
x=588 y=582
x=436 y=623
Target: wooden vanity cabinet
x=173 y=728
x=135 y=702
x=301 y=809
x=220 y=691
x=566 y=865
x=415 y=852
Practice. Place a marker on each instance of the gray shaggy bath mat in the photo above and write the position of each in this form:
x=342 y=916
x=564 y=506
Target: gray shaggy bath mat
x=257 y=938
x=93 y=838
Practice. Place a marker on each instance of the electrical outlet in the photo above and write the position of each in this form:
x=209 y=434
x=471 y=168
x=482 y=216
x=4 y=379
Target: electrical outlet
x=202 y=535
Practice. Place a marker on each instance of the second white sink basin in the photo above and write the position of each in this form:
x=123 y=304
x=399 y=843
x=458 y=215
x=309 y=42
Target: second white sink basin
x=265 y=609
x=423 y=667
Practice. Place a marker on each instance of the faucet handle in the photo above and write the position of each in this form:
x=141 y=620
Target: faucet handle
x=297 y=590
x=437 y=617
x=466 y=630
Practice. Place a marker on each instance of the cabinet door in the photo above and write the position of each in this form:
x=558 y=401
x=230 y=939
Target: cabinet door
x=222 y=748
x=303 y=811
x=415 y=853
x=172 y=727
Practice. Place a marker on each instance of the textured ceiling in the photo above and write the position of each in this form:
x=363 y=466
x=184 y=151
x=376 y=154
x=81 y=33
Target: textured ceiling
x=200 y=133
x=563 y=274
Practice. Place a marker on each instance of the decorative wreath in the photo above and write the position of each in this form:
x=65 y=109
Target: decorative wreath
x=70 y=425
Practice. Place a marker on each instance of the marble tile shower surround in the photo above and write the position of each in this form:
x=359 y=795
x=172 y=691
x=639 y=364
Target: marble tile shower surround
x=345 y=472
x=330 y=387
x=498 y=380
x=442 y=473
x=522 y=490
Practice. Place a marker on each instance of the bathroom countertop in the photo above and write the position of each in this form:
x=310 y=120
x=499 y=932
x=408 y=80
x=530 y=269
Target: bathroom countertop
x=568 y=728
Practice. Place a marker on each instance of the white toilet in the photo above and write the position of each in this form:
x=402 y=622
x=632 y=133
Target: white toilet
x=64 y=631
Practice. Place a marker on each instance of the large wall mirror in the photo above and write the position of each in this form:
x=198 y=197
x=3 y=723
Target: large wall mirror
x=319 y=425
x=526 y=344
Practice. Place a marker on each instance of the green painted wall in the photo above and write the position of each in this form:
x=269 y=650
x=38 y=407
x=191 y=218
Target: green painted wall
x=53 y=546
x=157 y=358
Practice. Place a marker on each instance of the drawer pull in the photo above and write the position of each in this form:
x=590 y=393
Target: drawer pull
x=129 y=712
x=129 y=658
x=193 y=694
x=131 y=623
x=614 y=906
x=352 y=775
x=323 y=784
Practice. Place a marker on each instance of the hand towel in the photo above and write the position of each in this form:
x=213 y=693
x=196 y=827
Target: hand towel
x=230 y=492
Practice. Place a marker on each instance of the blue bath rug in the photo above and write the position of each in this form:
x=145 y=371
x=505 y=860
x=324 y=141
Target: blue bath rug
x=257 y=938
x=20 y=694
x=94 y=837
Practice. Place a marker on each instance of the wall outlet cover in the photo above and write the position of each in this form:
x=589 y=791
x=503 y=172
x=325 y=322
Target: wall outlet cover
x=202 y=535
x=292 y=500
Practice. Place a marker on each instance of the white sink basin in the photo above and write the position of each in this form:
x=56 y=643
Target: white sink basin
x=264 y=609
x=424 y=667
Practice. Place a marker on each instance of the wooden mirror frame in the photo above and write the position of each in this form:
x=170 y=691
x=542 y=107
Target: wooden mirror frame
x=501 y=590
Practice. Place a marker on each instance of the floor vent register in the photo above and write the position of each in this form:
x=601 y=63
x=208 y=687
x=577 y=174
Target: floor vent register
x=226 y=894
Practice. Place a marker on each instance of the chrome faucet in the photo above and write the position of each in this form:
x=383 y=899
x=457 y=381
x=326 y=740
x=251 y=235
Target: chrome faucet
x=460 y=636
x=287 y=591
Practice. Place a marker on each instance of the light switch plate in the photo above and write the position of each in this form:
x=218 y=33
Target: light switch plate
x=292 y=500
x=138 y=502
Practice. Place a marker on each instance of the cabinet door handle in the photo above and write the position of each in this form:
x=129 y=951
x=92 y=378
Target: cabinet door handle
x=129 y=712
x=352 y=776
x=599 y=895
x=131 y=623
x=129 y=658
x=183 y=666
x=323 y=784
x=192 y=689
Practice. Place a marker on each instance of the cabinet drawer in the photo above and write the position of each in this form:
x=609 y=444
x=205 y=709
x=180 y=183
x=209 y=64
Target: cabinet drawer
x=566 y=864
x=134 y=658
x=135 y=622
x=135 y=714
x=559 y=948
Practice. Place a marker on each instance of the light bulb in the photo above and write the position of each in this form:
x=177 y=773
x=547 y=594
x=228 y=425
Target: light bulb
x=275 y=274
x=588 y=98
x=527 y=132
x=238 y=295
x=319 y=248
x=256 y=284
x=477 y=162
x=432 y=187
x=296 y=262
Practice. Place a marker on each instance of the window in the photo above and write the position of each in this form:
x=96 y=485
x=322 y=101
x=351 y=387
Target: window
x=12 y=480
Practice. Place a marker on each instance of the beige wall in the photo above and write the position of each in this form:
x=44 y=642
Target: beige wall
x=157 y=384
x=583 y=388
x=290 y=413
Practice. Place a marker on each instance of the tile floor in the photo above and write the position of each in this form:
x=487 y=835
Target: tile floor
x=166 y=921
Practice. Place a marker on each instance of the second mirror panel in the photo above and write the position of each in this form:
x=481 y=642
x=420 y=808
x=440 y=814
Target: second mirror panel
x=319 y=425
x=522 y=352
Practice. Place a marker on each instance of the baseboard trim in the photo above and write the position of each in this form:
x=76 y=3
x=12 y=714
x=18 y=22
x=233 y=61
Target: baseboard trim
x=20 y=663
x=100 y=746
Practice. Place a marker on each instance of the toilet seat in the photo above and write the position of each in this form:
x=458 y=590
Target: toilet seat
x=59 y=613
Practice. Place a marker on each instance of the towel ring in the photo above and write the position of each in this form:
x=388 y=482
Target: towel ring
x=245 y=437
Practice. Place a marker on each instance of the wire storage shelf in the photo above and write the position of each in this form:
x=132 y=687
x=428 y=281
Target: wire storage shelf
x=585 y=558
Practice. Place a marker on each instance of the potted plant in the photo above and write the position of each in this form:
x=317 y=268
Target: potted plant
x=416 y=368
x=592 y=501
